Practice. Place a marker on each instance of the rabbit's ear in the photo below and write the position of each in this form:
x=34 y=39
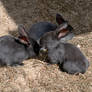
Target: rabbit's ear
x=59 y=19
x=23 y=36
x=62 y=31
x=22 y=31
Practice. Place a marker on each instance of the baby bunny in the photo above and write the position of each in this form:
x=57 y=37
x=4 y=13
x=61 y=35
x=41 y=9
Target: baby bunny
x=14 y=50
x=39 y=29
x=68 y=56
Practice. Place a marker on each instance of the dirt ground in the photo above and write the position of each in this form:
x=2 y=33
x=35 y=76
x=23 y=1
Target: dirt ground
x=36 y=75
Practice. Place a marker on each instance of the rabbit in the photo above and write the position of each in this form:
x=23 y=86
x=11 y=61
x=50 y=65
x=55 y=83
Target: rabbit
x=14 y=50
x=39 y=29
x=60 y=52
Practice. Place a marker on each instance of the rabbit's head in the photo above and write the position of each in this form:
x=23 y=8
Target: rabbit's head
x=60 y=35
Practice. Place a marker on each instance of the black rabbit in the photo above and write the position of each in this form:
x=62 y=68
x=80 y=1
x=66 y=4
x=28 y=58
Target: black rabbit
x=68 y=56
x=39 y=29
x=14 y=50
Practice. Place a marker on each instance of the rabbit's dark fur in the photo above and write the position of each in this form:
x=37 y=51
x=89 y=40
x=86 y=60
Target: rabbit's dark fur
x=39 y=29
x=14 y=50
x=68 y=56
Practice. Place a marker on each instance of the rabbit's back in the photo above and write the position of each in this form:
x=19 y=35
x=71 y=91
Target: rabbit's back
x=72 y=52
x=40 y=28
x=74 y=56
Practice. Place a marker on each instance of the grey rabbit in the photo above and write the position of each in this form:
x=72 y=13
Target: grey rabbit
x=14 y=50
x=59 y=51
x=39 y=29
